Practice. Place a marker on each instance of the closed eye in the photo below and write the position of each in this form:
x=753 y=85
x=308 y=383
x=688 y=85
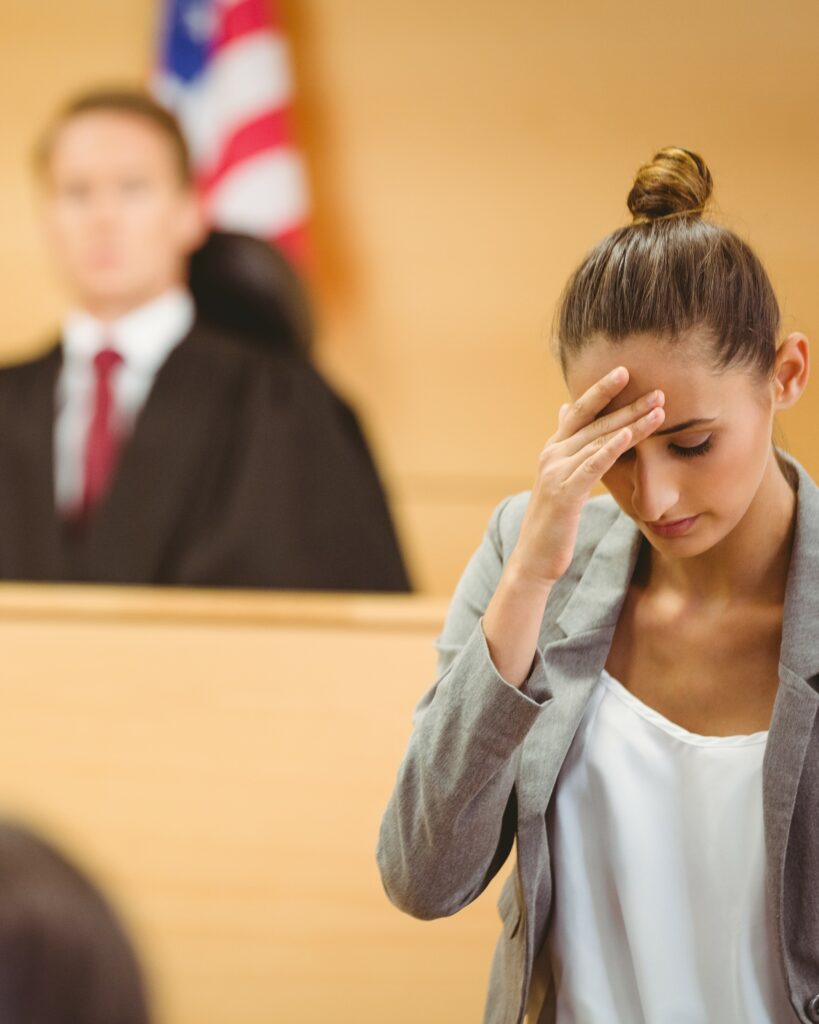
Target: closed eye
x=684 y=452
x=697 y=449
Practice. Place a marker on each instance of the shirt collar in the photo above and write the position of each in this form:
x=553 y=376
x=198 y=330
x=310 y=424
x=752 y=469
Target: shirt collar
x=144 y=336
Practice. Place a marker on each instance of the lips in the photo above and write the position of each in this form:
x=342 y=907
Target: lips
x=673 y=529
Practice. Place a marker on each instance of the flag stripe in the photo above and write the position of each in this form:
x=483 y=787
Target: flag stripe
x=240 y=19
x=266 y=132
x=244 y=80
x=265 y=195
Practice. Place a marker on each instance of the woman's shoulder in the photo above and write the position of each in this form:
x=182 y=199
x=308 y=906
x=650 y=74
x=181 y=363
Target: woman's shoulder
x=505 y=522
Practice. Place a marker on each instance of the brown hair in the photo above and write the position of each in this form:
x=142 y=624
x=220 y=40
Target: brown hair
x=64 y=957
x=130 y=102
x=671 y=271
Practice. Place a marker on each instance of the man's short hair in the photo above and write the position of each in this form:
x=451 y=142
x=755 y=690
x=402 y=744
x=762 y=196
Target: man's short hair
x=128 y=101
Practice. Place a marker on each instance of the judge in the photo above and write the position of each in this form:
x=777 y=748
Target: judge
x=149 y=444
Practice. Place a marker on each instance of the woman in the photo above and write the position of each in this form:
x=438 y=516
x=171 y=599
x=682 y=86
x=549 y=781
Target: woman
x=629 y=684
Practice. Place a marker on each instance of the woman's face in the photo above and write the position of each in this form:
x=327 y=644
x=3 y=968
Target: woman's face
x=705 y=461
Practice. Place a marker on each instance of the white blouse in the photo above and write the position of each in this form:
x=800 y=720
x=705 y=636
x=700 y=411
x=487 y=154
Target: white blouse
x=658 y=856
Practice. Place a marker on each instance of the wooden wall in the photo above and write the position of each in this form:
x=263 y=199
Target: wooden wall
x=464 y=155
x=220 y=763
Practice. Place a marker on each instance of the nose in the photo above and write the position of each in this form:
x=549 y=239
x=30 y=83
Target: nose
x=655 y=492
x=105 y=209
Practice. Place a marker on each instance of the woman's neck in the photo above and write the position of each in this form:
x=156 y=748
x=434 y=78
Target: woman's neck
x=749 y=565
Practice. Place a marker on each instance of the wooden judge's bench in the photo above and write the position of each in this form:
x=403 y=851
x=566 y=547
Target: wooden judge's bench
x=219 y=762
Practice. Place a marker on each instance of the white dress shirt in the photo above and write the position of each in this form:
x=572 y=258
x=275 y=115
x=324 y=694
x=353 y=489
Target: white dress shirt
x=144 y=337
x=660 y=915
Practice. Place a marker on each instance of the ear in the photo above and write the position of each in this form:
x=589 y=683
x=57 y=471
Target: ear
x=791 y=370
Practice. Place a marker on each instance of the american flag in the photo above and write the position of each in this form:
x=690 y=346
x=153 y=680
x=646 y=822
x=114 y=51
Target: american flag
x=224 y=70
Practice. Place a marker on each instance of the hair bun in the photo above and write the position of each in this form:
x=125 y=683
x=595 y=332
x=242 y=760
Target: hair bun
x=676 y=182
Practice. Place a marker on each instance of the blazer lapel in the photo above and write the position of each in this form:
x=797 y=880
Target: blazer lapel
x=574 y=649
x=166 y=459
x=797 y=699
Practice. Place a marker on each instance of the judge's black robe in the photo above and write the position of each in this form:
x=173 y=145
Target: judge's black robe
x=244 y=469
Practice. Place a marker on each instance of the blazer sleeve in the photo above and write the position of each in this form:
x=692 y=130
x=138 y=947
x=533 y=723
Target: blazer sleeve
x=450 y=822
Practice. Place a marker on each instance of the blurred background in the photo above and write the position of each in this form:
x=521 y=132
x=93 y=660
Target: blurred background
x=220 y=763
x=461 y=158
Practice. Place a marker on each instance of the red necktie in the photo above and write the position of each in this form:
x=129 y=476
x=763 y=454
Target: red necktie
x=102 y=443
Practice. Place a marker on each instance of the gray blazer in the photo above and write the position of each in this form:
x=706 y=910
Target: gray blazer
x=483 y=756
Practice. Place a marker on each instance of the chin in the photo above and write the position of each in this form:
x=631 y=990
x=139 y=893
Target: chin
x=698 y=542
x=678 y=547
x=111 y=289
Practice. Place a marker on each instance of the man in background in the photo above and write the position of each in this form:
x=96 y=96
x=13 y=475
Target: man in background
x=149 y=445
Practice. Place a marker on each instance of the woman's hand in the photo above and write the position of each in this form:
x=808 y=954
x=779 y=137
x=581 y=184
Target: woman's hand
x=574 y=458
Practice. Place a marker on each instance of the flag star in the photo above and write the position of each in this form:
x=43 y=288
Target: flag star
x=200 y=21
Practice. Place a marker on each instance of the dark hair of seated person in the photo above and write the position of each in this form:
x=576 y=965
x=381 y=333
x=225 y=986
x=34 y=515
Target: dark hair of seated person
x=64 y=956
x=246 y=285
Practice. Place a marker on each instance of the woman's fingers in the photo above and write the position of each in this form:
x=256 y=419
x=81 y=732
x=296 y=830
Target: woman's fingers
x=571 y=462
x=607 y=425
x=600 y=454
x=580 y=413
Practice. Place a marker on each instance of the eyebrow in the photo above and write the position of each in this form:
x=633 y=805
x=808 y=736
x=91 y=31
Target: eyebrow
x=683 y=426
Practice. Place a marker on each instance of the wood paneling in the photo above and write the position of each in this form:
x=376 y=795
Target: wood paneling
x=220 y=762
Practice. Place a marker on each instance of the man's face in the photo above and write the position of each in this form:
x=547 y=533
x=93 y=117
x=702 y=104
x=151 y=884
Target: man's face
x=711 y=469
x=119 y=219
